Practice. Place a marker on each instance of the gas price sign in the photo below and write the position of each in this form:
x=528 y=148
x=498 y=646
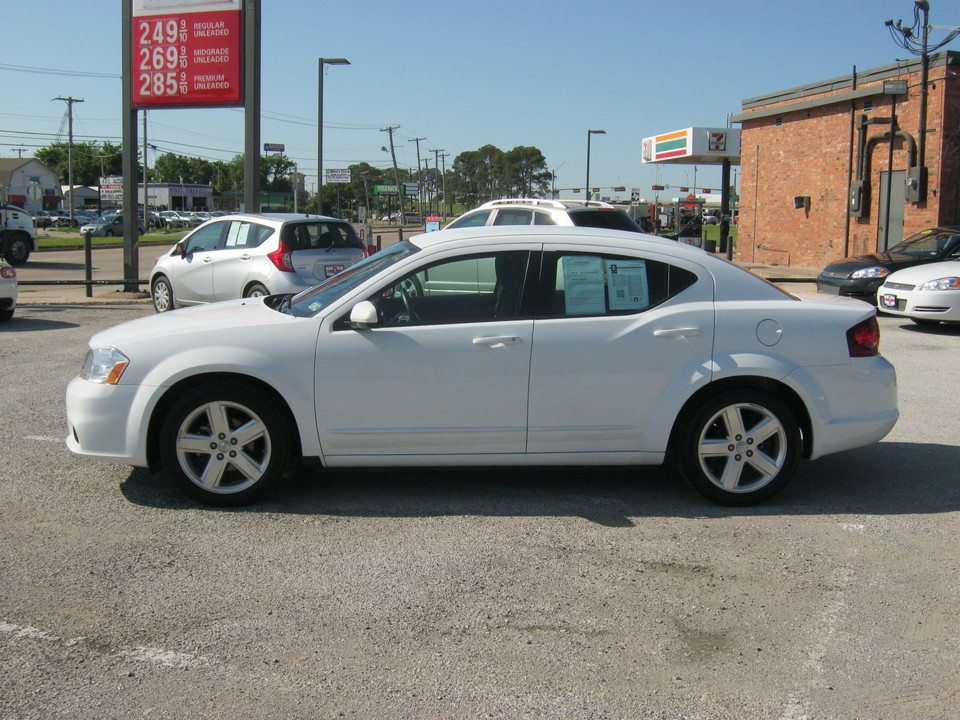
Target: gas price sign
x=187 y=53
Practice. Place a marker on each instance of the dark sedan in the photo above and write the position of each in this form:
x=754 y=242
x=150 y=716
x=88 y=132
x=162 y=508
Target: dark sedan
x=861 y=276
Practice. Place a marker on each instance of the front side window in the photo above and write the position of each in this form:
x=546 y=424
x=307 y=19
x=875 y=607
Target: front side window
x=476 y=288
x=582 y=284
x=205 y=238
x=513 y=216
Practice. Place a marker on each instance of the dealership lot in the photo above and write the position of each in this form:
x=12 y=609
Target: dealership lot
x=594 y=593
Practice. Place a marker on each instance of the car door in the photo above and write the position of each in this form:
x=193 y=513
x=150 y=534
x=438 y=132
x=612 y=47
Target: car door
x=445 y=373
x=618 y=342
x=233 y=262
x=192 y=274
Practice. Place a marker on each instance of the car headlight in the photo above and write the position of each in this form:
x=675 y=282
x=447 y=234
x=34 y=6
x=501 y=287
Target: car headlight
x=871 y=272
x=104 y=365
x=947 y=283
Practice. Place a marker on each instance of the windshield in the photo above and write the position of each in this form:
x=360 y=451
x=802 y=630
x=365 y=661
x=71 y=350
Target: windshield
x=928 y=243
x=310 y=302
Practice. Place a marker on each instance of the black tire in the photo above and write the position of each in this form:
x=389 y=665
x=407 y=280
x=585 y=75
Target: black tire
x=162 y=293
x=16 y=249
x=740 y=447
x=256 y=290
x=225 y=445
x=6 y=315
x=108 y=233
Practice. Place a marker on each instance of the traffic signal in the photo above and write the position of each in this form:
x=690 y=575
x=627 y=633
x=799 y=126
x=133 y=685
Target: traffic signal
x=659 y=187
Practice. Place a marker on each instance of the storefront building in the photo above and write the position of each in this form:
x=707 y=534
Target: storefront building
x=820 y=178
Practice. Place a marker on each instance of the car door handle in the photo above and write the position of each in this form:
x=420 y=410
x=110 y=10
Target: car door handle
x=677 y=332
x=206 y=258
x=246 y=256
x=498 y=341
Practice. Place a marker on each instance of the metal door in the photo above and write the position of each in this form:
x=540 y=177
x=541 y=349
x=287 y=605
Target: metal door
x=890 y=226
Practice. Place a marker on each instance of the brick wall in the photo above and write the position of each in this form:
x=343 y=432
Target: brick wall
x=812 y=153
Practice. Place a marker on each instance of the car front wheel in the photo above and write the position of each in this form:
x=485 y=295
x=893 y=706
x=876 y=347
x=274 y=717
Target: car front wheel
x=740 y=447
x=225 y=445
x=17 y=249
x=162 y=295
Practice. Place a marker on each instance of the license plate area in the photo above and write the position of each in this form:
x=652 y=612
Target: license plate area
x=891 y=301
x=331 y=270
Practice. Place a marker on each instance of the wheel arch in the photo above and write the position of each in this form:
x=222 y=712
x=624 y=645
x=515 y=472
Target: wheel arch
x=174 y=392
x=254 y=281
x=784 y=393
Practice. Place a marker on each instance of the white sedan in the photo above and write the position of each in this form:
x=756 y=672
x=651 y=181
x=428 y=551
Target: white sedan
x=927 y=294
x=8 y=290
x=499 y=346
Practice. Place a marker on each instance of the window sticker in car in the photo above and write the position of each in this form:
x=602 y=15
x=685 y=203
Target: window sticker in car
x=583 y=285
x=627 y=281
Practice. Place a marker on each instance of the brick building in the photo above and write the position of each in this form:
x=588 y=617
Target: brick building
x=816 y=160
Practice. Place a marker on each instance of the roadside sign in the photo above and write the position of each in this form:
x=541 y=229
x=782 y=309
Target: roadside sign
x=186 y=58
x=274 y=147
x=111 y=188
x=384 y=189
x=337 y=176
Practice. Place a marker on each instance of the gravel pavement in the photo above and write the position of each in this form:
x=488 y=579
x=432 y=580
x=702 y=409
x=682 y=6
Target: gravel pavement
x=503 y=594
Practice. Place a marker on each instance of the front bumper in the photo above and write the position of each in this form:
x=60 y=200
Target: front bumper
x=108 y=422
x=933 y=305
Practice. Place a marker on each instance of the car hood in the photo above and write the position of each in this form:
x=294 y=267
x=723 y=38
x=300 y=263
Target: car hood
x=851 y=264
x=922 y=273
x=182 y=327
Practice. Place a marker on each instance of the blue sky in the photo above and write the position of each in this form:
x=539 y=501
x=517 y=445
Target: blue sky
x=461 y=75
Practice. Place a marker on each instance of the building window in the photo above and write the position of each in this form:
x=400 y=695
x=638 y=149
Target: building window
x=867 y=105
x=779 y=122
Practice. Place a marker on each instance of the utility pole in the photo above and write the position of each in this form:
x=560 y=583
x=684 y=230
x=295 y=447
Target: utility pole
x=436 y=165
x=70 y=101
x=396 y=171
x=443 y=184
x=419 y=174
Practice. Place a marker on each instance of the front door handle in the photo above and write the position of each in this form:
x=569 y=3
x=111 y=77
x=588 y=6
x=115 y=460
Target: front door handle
x=677 y=332
x=498 y=341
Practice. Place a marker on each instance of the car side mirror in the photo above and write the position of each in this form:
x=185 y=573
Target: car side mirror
x=364 y=314
x=181 y=248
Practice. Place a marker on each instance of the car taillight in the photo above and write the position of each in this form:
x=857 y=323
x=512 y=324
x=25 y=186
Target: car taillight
x=863 y=339
x=281 y=257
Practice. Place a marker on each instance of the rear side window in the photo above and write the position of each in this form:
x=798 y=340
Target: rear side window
x=610 y=219
x=320 y=235
x=246 y=235
x=579 y=284
x=475 y=220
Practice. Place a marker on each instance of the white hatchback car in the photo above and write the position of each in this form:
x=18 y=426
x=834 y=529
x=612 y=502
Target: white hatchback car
x=247 y=255
x=8 y=290
x=927 y=294
x=494 y=346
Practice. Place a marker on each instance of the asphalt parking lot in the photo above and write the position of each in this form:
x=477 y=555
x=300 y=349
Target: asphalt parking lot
x=602 y=593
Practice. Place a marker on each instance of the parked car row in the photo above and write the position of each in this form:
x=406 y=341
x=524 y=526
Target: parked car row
x=918 y=278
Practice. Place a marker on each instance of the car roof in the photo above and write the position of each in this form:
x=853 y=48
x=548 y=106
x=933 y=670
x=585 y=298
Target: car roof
x=552 y=233
x=275 y=218
x=544 y=203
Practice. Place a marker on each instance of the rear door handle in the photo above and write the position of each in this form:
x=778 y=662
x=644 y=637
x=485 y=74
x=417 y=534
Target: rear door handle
x=497 y=342
x=676 y=332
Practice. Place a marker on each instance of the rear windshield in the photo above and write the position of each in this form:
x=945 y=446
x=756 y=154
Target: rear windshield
x=611 y=219
x=320 y=234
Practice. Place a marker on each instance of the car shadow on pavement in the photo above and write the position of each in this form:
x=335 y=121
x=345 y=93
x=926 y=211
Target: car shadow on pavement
x=19 y=323
x=883 y=479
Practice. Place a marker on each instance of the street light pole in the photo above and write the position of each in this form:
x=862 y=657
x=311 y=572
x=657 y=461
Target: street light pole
x=321 y=62
x=589 y=133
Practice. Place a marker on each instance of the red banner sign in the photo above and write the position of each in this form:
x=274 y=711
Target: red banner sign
x=187 y=59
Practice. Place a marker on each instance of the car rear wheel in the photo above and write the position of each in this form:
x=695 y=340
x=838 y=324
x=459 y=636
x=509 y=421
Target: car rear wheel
x=740 y=447
x=225 y=445
x=256 y=290
x=162 y=295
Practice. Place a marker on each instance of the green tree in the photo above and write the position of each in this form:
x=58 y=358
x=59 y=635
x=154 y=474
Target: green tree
x=90 y=161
